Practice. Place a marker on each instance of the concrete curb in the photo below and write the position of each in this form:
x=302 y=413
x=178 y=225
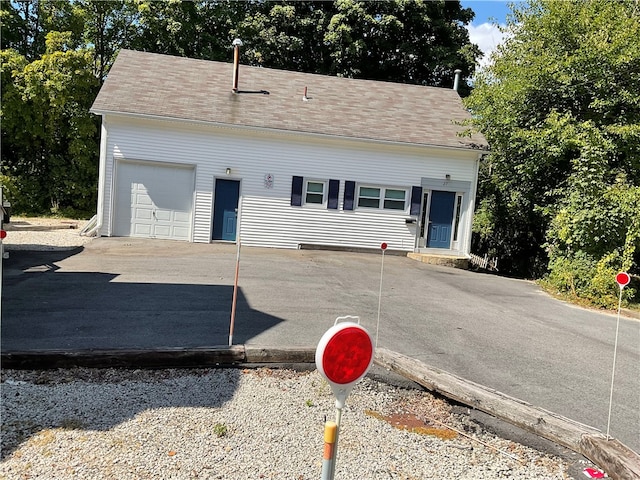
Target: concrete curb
x=615 y=458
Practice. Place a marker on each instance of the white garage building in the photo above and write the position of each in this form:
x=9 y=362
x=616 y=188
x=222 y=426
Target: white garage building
x=287 y=160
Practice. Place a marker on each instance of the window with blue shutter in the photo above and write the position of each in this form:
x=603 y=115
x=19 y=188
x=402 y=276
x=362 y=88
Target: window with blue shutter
x=334 y=187
x=349 y=194
x=296 y=191
x=416 y=200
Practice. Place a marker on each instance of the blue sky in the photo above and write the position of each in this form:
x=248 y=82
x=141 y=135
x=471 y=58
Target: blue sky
x=486 y=10
x=483 y=31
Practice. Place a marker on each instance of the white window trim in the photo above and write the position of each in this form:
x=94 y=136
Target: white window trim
x=381 y=199
x=459 y=225
x=325 y=193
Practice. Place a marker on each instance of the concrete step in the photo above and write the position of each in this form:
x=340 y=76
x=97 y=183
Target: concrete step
x=444 y=260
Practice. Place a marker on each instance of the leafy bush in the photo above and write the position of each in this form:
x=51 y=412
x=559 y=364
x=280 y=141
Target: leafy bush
x=580 y=276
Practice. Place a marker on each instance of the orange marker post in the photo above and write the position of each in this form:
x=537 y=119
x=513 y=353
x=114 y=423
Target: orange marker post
x=329 y=455
x=235 y=295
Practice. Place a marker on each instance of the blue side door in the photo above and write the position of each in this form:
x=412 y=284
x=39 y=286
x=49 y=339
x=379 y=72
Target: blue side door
x=225 y=209
x=441 y=219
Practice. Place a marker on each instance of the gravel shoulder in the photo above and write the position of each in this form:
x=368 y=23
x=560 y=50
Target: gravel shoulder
x=241 y=424
x=44 y=234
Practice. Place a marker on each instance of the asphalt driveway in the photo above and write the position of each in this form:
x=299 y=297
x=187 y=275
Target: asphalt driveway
x=503 y=333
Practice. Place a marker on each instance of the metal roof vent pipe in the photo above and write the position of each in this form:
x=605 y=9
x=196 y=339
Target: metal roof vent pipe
x=237 y=43
x=456 y=80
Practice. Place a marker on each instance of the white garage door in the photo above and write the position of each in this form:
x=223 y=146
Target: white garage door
x=153 y=201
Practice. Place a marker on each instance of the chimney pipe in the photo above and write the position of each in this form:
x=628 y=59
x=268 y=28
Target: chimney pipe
x=237 y=43
x=456 y=81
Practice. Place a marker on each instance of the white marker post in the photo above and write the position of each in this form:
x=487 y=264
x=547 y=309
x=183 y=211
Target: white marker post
x=622 y=279
x=343 y=356
x=3 y=234
x=383 y=247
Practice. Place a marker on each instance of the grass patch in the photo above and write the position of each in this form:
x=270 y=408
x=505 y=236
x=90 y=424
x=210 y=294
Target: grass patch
x=220 y=430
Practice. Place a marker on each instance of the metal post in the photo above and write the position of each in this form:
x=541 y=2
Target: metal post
x=1 y=248
x=235 y=295
x=335 y=450
x=329 y=455
x=1 y=265
x=615 y=352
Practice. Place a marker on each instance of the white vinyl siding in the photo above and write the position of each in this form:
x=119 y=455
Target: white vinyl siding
x=266 y=217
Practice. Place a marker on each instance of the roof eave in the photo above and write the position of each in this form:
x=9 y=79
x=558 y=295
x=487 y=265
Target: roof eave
x=481 y=149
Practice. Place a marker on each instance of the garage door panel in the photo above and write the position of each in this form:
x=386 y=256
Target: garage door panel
x=163 y=231
x=164 y=215
x=141 y=230
x=143 y=199
x=153 y=200
x=182 y=217
x=179 y=232
x=142 y=214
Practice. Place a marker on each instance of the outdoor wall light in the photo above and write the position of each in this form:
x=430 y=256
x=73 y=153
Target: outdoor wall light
x=228 y=171
x=448 y=177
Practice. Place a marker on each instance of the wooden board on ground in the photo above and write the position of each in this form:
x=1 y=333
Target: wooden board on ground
x=619 y=461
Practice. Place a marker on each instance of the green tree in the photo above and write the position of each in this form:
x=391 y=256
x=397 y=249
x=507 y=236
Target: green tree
x=415 y=41
x=560 y=107
x=198 y=29
x=22 y=27
x=287 y=35
x=12 y=25
x=106 y=28
x=403 y=41
x=49 y=138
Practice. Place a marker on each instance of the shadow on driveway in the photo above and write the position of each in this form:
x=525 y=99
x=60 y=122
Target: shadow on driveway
x=47 y=308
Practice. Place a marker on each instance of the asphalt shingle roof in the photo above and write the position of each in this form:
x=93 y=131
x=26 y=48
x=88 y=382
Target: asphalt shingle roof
x=165 y=86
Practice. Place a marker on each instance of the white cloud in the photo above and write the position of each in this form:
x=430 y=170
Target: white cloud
x=487 y=36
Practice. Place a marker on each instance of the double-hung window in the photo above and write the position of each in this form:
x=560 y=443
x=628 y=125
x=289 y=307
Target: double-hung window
x=315 y=192
x=382 y=197
x=395 y=199
x=369 y=197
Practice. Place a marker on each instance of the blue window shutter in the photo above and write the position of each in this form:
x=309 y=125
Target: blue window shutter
x=349 y=194
x=334 y=187
x=296 y=191
x=416 y=200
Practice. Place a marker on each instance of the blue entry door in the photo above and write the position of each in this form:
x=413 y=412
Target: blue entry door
x=441 y=219
x=225 y=209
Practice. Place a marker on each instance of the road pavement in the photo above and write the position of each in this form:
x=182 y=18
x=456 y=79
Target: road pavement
x=503 y=333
